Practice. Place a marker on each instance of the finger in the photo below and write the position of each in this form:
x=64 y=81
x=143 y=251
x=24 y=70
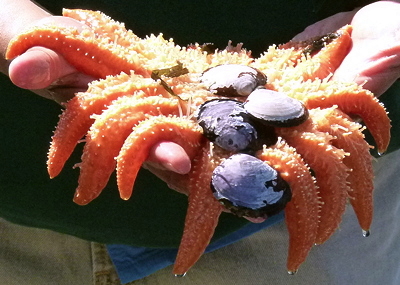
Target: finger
x=374 y=60
x=170 y=156
x=325 y=26
x=38 y=67
x=376 y=71
x=46 y=72
x=175 y=181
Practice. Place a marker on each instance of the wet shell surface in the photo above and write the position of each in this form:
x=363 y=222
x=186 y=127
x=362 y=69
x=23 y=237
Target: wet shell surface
x=275 y=108
x=233 y=79
x=226 y=123
x=249 y=187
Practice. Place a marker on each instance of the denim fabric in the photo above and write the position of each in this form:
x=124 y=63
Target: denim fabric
x=134 y=263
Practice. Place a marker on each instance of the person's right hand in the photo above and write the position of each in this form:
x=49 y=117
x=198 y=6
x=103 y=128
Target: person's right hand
x=46 y=72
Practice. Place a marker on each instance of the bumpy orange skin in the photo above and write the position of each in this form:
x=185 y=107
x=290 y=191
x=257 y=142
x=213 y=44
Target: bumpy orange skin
x=329 y=170
x=349 y=137
x=126 y=112
x=361 y=103
x=202 y=215
x=106 y=138
x=90 y=61
x=338 y=43
x=76 y=120
x=302 y=211
x=147 y=133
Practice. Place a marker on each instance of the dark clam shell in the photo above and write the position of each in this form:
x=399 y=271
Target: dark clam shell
x=233 y=79
x=275 y=108
x=225 y=123
x=249 y=187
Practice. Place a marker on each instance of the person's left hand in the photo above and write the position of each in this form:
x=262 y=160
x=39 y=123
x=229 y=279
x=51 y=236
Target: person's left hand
x=374 y=59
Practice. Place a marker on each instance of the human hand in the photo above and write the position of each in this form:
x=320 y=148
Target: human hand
x=48 y=74
x=374 y=59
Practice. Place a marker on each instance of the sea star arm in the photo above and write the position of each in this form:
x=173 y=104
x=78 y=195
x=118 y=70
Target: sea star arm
x=301 y=213
x=349 y=137
x=144 y=136
x=326 y=162
x=202 y=214
x=76 y=119
x=106 y=137
x=352 y=99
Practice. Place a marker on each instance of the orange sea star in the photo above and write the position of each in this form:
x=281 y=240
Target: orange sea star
x=134 y=105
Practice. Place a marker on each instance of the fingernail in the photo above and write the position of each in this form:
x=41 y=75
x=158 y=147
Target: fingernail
x=180 y=168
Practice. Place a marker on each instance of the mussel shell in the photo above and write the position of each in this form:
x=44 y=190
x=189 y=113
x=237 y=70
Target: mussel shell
x=275 y=108
x=225 y=123
x=233 y=79
x=249 y=187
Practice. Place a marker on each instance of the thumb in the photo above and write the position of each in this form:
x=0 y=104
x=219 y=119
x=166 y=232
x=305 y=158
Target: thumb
x=38 y=67
x=48 y=74
x=170 y=156
x=374 y=60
